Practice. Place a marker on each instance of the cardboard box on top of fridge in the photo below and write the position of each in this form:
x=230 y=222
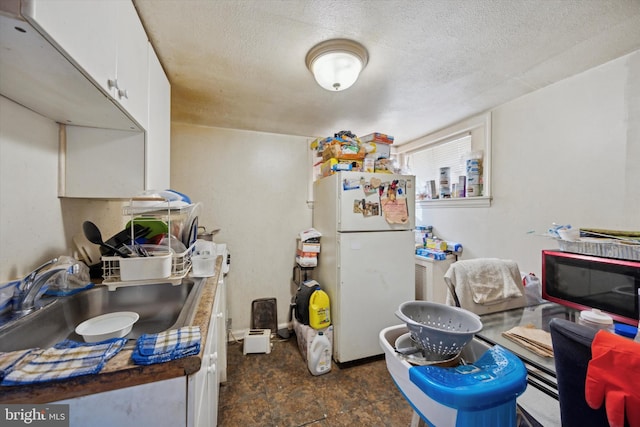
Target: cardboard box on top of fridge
x=380 y=151
x=369 y=164
x=305 y=335
x=332 y=166
x=383 y=166
x=343 y=152
x=377 y=137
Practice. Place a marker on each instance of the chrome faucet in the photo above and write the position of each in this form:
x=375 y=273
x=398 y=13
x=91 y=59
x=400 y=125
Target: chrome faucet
x=24 y=297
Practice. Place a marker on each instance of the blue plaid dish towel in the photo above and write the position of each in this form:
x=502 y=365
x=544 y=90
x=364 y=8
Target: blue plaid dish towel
x=66 y=359
x=166 y=346
x=9 y=360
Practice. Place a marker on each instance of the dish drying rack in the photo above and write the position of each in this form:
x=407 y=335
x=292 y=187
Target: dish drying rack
x=147 y=269
x=603 y=248
x=605 y=243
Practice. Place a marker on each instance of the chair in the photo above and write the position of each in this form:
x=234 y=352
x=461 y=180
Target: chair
x=572 y=352
x=485 y=285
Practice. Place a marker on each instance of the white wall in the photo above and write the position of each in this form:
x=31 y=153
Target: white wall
x=254 y=187
x=568 y=153
x=35 y=225
x=30 y=211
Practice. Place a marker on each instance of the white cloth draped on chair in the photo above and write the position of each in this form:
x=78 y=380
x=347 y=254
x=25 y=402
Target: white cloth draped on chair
x=485 y=285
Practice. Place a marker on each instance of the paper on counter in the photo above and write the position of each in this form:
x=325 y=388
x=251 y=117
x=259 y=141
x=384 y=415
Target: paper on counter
x=531 y=338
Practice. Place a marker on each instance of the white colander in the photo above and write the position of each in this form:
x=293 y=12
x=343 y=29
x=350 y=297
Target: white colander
x=438 y=328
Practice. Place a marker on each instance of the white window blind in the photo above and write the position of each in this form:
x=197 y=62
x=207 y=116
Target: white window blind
x=426 y=163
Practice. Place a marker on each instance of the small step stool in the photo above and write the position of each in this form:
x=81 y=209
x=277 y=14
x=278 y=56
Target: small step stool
x=257 y=341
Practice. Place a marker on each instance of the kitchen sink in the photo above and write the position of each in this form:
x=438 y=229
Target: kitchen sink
x=161 y=307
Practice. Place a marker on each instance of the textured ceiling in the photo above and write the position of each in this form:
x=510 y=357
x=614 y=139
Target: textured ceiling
x=241 y=64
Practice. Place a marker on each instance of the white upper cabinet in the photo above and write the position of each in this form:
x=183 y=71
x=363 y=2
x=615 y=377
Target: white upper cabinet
x=88 y=65
x=85 y=30
x=159 y=127
x=34 y=73
x=105 y=39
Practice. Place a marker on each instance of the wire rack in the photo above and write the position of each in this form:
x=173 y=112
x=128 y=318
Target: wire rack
x=607 y=249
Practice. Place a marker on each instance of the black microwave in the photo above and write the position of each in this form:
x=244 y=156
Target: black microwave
x=584 y=282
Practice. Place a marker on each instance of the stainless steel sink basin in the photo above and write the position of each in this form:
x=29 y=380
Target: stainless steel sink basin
x=160 y=306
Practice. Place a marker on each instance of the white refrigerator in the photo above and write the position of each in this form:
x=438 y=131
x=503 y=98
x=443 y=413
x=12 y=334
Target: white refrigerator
x=366 y=260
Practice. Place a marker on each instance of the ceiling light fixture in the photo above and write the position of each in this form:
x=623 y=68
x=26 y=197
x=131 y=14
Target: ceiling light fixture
x=336 y=64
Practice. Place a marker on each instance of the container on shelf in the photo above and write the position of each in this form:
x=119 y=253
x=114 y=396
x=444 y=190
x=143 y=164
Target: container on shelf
x=445 y=182
x=474 y=174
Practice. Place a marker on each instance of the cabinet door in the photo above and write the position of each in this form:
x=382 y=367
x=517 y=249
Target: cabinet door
x=430 y=284
x=35 y=74
x=218 y=352
x=198 y=415
x=105 y=39
x=203 y=385
x=132 y=64
x=160 y=403
x=159 y=127
x=85 y=30
x=221 y=294
x=439 y=287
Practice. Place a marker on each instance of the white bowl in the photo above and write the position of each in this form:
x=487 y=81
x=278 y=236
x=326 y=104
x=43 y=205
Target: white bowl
x=107 y=326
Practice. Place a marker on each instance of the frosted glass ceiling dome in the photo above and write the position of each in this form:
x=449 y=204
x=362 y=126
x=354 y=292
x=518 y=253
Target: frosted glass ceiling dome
x=336 y=64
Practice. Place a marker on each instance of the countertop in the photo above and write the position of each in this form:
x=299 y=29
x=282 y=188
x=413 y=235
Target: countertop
x=120 y=372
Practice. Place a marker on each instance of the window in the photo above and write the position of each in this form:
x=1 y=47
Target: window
x=451 y=147
x=426 y=164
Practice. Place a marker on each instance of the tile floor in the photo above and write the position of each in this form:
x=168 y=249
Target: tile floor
x=276 y=389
